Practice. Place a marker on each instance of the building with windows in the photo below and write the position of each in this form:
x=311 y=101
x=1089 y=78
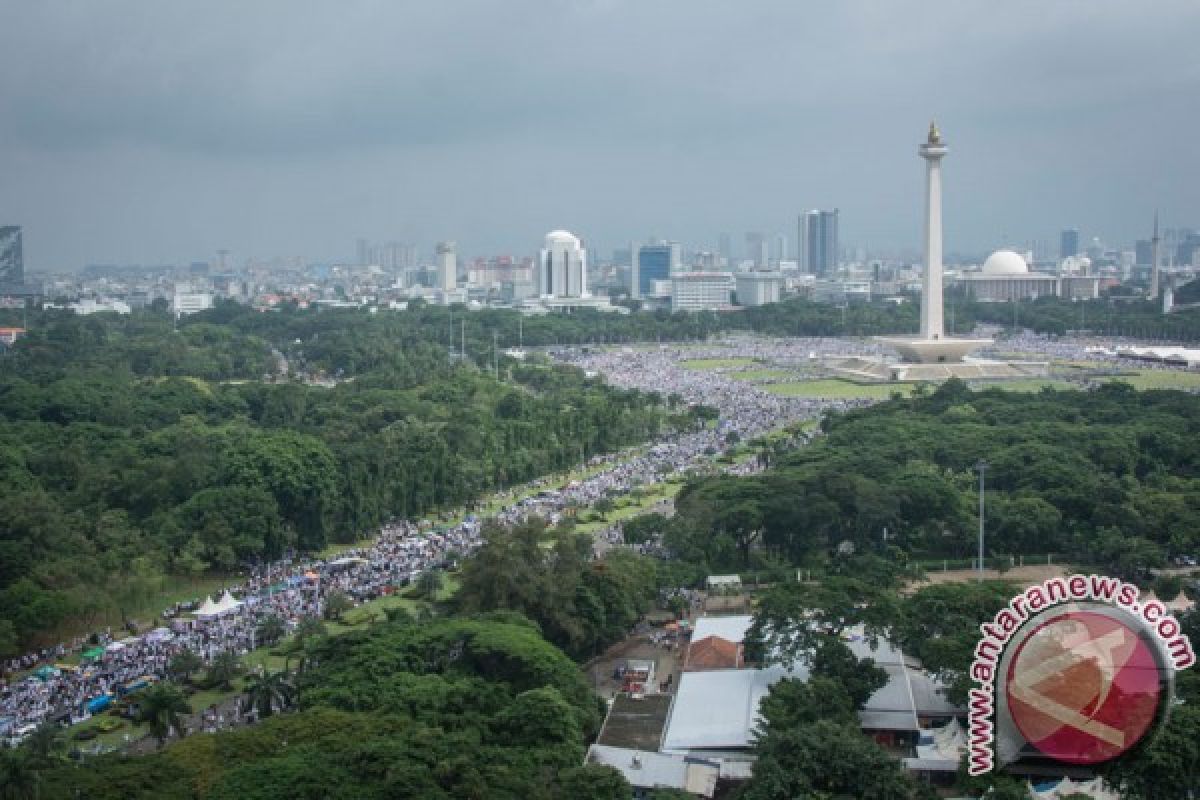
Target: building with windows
x=701 y=291
x=818 y=231
x=757 y=288
x=653 y=262
x=562 y=268
x=1004 y=277
x=12 y=264
x=1068 y=243
x=447 y=266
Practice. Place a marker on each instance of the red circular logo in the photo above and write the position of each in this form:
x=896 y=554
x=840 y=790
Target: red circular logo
x=1083 y=687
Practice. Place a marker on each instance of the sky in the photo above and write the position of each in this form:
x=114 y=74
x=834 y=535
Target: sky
x=159 y=132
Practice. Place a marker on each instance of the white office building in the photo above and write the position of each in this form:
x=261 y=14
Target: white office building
x=701 y=291
x=758 y=288
x=562 y=270
x=447 y=266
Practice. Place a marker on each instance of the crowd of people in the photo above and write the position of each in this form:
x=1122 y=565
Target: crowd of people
x=296 y=588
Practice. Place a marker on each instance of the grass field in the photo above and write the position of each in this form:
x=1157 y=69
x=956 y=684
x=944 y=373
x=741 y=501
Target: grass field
x=837 y=389
x=1030 y=385
x=716 y=363
x=1161 y=379
x=755 y=375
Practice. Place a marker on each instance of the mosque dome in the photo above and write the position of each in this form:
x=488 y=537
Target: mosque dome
x=1004 y=262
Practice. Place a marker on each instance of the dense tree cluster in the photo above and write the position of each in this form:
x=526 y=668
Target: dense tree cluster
x=461 y=707
x=117 y=468
x=1142 y=319
x=1107 y=477
x=580 y=605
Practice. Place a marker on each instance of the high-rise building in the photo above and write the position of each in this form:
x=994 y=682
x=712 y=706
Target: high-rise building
x=1142 y=252
x=757 y=249
x=655 y=262
x=818 y=232
x=725 y=250
x=562 y=271
x=12 y=264
x=1068 y=243
x=447 y=266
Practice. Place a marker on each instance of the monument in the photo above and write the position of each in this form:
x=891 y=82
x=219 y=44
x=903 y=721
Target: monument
x=932 y=355
x=933 y=346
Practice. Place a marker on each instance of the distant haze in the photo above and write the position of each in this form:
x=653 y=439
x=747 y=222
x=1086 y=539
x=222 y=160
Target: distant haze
x=161 y=131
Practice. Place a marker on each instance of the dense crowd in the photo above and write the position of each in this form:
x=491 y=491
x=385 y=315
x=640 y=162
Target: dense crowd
x=296 y=588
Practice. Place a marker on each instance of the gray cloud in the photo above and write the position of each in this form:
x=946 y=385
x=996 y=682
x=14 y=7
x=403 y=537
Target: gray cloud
x=150 y=131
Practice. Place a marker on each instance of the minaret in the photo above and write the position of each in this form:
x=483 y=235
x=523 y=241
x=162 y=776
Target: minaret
x=932 y=151
x=1154 y=260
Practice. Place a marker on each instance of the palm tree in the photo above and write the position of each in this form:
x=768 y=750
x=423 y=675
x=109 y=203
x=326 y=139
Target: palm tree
x=183 y=664
x=224 y=668
x=270 y=630
x=18 y=778
x=162 y=707
x=268 y=692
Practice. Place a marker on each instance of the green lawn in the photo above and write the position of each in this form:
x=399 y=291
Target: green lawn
x=716 y=363
x=756 y=375
x=838 y=389
x=1027 y=385
x=1161 y=379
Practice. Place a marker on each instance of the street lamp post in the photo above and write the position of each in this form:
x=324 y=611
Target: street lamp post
x=982 y=466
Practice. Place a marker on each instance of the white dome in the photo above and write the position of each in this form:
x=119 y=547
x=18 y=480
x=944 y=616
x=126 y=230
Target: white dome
x=562 y=236
x=1004 y=262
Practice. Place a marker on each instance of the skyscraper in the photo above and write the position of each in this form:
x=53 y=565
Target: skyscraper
x=818 y=231
x=12 y=264
x=724 y=250
x=447 y=266
x=654 y=264
x=562 y=270
x=1068 y=243
x=756 y=249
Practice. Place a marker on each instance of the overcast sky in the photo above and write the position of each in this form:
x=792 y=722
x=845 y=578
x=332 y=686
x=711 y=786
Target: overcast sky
x=158 y=132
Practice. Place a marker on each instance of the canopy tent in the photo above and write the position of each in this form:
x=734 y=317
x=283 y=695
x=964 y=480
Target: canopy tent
x=94 y=653
x=45 y=673
x=114 y=647
x=348 y=561
x=223 y=606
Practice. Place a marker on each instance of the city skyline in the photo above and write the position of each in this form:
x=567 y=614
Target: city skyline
x=135 y=134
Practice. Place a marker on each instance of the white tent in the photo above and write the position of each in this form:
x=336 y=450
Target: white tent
x=223 y=606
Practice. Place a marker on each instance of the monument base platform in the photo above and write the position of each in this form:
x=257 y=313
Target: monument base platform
x=933 y=351
x=973 y=369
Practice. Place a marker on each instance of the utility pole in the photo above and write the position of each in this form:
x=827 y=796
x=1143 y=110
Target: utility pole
x=495 y=357
x=463 y=346
x=982 y=466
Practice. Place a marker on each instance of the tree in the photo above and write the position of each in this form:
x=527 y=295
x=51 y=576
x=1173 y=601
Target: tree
x=337 y=603
x=224 y=668
x=594 y=782
x=19 y=780
x=794 y=618
x=45 y=744
x=267 y=692
x=309 y=627
x=183 y=664
x=162 y=707
x=826 y=759
x=429 y=583
x=270 y=629
x=860 y=678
